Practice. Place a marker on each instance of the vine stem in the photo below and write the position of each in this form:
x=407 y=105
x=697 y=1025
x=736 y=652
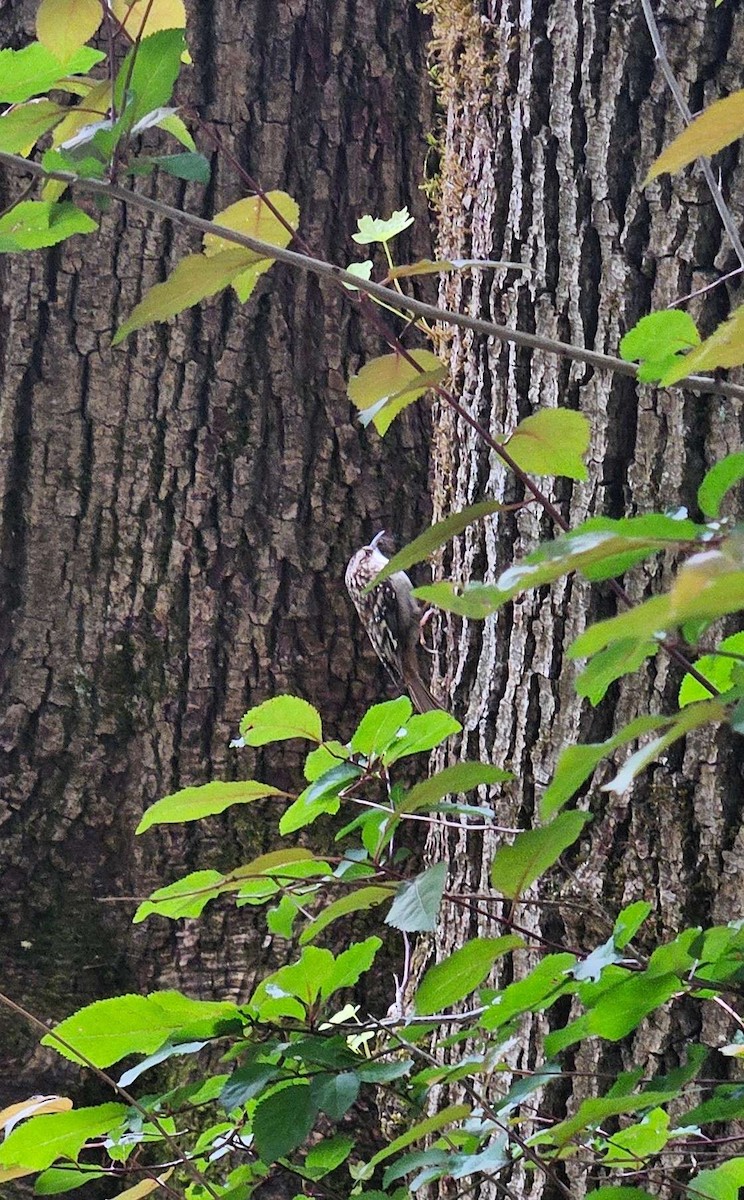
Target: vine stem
x=724 y=213
x=325 y=270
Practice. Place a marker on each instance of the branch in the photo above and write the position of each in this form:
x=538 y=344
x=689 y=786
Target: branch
x=324 y=270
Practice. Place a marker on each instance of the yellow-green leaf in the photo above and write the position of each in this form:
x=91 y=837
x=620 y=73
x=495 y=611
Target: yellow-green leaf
x=192 y=280
x=724 y=348
x=387 y=385
x=253 y=218
x=194 y=803
x=716 y=127
x=22 y=126
x=63 y=26
x=551 y=442
x=149 y=16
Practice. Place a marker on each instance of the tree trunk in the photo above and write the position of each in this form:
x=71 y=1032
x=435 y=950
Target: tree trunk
x=553 y=115
x=177 y=512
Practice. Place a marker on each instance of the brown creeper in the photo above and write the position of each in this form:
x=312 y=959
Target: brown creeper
x=391 y=614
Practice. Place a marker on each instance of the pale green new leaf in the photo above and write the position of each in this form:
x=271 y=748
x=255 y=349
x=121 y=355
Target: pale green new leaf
x=195 y=803
x=34 y=70
x=279 y=719
x=387 y=385
x=40 y=1141
x=34 y=224
x=717 y=668
x=148 y=74
x=107 y=1030
x=380 y=726
x=422 y=732
x=375 y=229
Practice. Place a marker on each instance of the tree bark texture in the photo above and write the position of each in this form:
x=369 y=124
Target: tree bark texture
x=552 y=115
x=177 y=512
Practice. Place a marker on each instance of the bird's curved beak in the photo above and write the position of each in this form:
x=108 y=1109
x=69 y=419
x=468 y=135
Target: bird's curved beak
x=377 y=538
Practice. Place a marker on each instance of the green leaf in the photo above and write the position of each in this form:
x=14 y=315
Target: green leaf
x=359 y=901
x=321 y=796
x=416 y=905
x=193 y=279
x=195 y=803
x=380 y=726
x=716 y=668
x=516 y=866
x=325 y=1156
x=720 y=1183
x=576 y=763
x=280 y=919
x=629 y=921
x=421 y=732
x=726 y=1104
x=374 y=229
x=618 y=1193
x=551 y=442
x=34 y=69
x=173 y=125
x=191 y=166
x=593 y=1112
x=525 y=1087
x=634 y=1145
x=461 y=973
x=21 y=127
x=335 y=1094
x=447 y=1116
x=474 y=600
x=283 y=1120
x=724 y=348
x=656 y=340
x=545 y=983
x=281 y=718
x=437 y=535
x=330 y=754
x=718 y=481
x=682 y=723
x=108 y=1030
x=247 y=1083
x=387 y=385
x=620 y=1009
x=620 y=659
x=38 y=1142
x=461 y=777
x=350 y=965
x=56 y=1180
x=33 y=224
x=187 y=897
x=65 y=25
x=148 y=74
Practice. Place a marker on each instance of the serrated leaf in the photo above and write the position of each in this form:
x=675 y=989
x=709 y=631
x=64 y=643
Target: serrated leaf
x=719 y=1183
x=140 y=17
x=551 y=442
x=195 y=803
x=593 y=1112
x=245 y=1083
x=447 y=1116
x=325 y=1156
x=56 y=1180
x=321 y=796
x=34 y=70
x=253 y=217
x=190 y=166
x=22 y=126
x=330 y=754
x=380 y=726
x=33 y=1107
x=194 y=278
x=108 y=1030
x=629 y=921
x=724 y=348
x=63 y=26
x=350 y=965
x=474 y=600
x=461 y=777
x=717 y=668
x=533 y=852
x=416 y=906
x=154 y=1060
x=38 y=1142
x=461 y=973
x=437 y=535
x=545 y=984
x=33 y=224
x=421 y=732
x=335 y=1094
x=186 y=897
x=387 y=385
x=360 y=900
x=173 y=125
x=619 y=1010
x=717 y=126
x=281 y=718
x=620 y=659
x=657 y=340
x=283 y=1120
x=721 y=477
x=148 y=74
x=374 y=229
